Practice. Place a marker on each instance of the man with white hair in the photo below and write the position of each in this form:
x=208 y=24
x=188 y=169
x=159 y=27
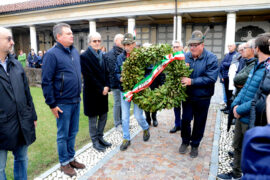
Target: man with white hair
x=177 y=46
x=95 y=90
x=110 y=59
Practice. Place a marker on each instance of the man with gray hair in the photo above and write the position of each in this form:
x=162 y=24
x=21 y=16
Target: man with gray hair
x=61 y=84
x=95 y=90
x=110 y=59
x=177 y=46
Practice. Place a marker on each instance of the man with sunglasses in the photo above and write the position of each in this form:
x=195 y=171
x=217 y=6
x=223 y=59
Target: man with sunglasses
x=17 y=112
x=95 y=90
x=200 y=89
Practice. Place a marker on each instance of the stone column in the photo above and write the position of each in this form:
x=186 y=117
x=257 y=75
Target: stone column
x=92 y=26
x=230 y=30
x=177 y=28
x=33 y=38
x=131 y=25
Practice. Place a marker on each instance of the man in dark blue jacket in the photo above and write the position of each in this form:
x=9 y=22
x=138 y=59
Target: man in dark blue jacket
x=224 y=69
x=61 y=84
x=110 y=59
x=200 y=89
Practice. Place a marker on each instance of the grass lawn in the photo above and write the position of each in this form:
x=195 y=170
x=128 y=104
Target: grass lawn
x=42 y=154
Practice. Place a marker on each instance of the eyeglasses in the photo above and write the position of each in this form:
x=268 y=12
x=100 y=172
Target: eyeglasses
x=176 y=46
x=194 y=45
x=95 y=41
x=247 y=47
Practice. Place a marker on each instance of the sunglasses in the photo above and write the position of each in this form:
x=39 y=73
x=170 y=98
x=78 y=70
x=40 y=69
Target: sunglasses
x=194 y=45
x=95 y=41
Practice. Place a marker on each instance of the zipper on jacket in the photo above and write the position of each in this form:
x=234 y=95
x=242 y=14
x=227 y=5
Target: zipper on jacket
x=62 y=83
x=72 y=59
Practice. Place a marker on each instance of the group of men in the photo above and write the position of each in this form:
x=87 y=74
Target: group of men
x=61 y=84
x=246 y=100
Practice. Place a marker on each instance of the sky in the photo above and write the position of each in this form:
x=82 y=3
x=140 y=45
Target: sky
x=4 y=2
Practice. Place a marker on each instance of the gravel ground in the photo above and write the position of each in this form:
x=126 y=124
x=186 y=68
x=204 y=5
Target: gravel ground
x=225 y=145
x=89 y=156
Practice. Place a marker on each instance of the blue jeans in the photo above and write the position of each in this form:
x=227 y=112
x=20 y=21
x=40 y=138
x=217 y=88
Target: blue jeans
x=117 y=107
x=67 y=129
x=138 y=113
x=177 y=115
x=20 y=163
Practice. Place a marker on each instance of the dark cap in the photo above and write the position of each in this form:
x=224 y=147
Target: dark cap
x=128 y=39
x=196 y=37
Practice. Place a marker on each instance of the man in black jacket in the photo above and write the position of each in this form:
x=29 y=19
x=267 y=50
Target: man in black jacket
x=17 y=112
x=110 y=59
x=95 y=90
x=61 y=84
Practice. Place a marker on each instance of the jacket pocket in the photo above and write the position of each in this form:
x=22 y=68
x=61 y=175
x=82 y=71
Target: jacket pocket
x=62 y=83
x=3 y=116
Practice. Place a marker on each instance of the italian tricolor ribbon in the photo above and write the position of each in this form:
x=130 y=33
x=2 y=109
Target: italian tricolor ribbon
x=158 y=68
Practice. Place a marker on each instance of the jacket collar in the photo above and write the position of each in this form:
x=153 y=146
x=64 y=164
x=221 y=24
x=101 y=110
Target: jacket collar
x=68 y=50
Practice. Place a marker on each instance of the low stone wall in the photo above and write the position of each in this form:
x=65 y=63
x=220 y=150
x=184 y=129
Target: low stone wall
x=33 y=76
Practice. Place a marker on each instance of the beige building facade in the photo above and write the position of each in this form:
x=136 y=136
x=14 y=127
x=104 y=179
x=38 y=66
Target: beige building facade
x=154 y=21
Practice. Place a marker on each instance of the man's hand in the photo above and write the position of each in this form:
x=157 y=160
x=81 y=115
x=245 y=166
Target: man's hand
x=222 y=80
x=121 y=79
x=55 y=111
x=105 y=90
x=236 y=115
x=35 y=123
x=186 y=81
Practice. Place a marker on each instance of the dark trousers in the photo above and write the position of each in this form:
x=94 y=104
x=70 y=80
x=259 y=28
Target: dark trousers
x=177 y=115
x=228 y=93
x=148 y=116
x=199 y=110
x=239 y=132
x=96 y=126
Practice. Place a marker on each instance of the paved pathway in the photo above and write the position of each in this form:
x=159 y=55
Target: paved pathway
x=159 y=158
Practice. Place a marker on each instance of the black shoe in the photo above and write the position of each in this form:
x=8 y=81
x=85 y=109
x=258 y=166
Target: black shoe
x=124 y=145
x=155 y=123
x=175 y=129
x=183 y=148
x=224 y=109
x=229 y=175
x=226 y=112
x=146 y=134
x=104 y=143
x=98 y=146
x=231 y=154
x=194 y=152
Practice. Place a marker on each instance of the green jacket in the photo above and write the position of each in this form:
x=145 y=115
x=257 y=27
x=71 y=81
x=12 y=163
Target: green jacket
x=22 y=59
x=241 y=77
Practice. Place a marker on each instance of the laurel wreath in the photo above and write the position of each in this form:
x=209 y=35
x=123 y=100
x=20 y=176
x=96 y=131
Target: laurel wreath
x=166 y=96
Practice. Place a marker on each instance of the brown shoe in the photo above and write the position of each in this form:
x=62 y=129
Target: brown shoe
x=77 y=165
x=68 y=170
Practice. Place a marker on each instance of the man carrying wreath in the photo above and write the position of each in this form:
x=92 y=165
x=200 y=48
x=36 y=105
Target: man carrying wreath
x=129 y=44
x=200 y=89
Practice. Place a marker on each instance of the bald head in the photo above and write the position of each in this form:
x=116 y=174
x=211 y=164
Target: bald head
x=6 y=41
x=231 y=47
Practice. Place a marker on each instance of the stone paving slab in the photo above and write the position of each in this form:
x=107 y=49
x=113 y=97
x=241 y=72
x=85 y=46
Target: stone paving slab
x=159 y=158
